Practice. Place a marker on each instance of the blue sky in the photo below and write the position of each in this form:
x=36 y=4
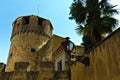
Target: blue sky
x=56 y=11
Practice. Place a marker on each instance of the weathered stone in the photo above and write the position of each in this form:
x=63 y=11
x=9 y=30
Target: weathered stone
x=25 y=37
x=21 y=66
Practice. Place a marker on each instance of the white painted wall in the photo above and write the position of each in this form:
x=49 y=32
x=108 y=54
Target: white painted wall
x=60 y=58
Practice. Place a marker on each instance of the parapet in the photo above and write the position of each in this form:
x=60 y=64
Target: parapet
x=21 y=72
x=32 y=23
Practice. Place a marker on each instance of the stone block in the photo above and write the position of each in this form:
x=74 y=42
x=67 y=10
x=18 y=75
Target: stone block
x=46 y=64
x=21 y=66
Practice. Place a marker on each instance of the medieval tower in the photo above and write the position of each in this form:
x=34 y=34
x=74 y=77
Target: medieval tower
x=30 y=42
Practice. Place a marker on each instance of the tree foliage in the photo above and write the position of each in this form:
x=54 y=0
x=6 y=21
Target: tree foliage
x=94 y=18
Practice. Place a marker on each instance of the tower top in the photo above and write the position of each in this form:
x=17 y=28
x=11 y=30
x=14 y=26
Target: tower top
x=40 y=19
x=32 y=23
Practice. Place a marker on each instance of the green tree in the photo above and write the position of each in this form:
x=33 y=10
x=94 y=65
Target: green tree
x=94 y=18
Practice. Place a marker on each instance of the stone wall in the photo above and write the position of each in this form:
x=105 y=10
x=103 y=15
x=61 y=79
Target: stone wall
x=104 y=61
x=60 y=75
x=20 y=72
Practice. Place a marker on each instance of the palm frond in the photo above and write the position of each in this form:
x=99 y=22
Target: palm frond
x=109 y=10
x=78 y=12
x=91 y=4
x=102 y=3
x=108 y=24
x=79 y=29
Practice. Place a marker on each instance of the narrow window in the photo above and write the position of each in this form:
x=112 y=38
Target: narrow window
x=26 y=20
x=18 y=24
x=33 y=50
x=40 y=20
x=11 y=55
x=60 y=65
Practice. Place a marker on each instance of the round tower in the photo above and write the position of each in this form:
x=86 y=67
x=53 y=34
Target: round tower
x=29 y=35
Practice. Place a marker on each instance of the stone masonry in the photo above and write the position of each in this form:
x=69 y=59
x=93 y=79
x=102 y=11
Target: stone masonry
x=31 y=51
x=30 y=37
x=20 y=72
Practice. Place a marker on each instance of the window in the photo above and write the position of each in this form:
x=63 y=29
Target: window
x=26 y=20
x=18 y=24
x=33 y=50
x=40 y=20
x=11 y=55
x=60 y=65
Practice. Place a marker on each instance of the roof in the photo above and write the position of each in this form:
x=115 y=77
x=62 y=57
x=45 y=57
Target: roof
x=78 y=50
x=56 y=42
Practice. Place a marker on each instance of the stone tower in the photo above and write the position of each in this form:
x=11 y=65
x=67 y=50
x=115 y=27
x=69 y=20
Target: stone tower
x=30 y=41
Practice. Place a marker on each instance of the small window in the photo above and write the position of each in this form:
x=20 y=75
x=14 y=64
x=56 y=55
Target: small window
x=33 y=50
x=40 y=20
x=11 y=55
x=60 y=65
x=26 y=20
x=18 y=24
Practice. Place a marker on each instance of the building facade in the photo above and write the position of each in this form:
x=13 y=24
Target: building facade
x=35 y=53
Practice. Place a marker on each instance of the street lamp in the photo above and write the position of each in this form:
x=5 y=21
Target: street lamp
x=68 y=47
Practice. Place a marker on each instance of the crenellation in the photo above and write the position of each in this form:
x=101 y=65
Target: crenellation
x=21 y=66
x=33 y=24
x=21 y=72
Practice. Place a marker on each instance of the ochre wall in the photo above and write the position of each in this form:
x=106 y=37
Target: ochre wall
x=104 y=61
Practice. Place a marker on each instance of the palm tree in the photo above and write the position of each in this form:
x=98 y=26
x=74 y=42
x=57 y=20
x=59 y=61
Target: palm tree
x=94 y=18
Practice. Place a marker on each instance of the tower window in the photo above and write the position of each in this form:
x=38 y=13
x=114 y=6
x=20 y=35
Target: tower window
x=26 y=20
x=18 y=24
x=33 y=50
x=40 y=20
x=11 y=55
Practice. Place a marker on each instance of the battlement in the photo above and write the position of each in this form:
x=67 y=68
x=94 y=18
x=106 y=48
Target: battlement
x=26 y=24
x=21 y=72
x=21 y=66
